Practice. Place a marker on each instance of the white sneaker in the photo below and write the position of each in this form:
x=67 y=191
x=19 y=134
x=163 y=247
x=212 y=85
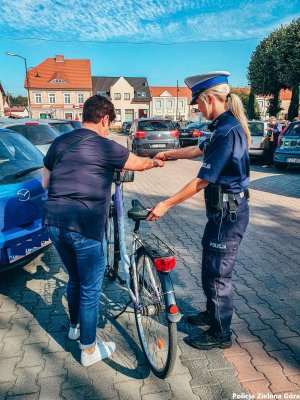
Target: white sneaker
x=102 y=351
x=74 y=333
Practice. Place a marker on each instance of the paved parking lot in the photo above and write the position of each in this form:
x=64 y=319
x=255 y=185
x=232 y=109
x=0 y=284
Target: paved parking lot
x=38 y=362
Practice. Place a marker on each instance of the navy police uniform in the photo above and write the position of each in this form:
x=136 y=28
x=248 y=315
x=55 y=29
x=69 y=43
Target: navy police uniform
x=225 y=163
x=226 y=167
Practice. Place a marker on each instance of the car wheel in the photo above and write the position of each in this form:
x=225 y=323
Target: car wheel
x=280 y=166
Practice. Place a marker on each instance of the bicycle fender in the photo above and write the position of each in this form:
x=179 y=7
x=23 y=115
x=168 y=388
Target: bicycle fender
x=169 y=296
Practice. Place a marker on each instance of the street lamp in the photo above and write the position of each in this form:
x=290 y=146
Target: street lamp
x=26 y=77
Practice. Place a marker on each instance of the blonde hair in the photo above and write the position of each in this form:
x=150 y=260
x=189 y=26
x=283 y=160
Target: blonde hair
x=233 y=102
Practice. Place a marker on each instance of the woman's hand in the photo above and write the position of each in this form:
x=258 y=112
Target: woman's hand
x=160 y=156
x=157 y=211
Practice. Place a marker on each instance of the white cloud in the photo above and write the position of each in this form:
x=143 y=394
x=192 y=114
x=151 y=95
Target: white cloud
x=149 y=20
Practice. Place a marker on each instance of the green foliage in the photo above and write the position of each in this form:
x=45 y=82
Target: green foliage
x=275 y=64
x=18 y=101
x=252 y=107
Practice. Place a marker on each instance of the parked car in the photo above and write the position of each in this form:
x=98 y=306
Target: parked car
x=62 y=125
x=21 y=200
x=148 y=136
x=259 y=138
x=194 y=133
x=127 y=128
x=74 y=123
x=288 y=147
x=123 y=127
x=38 y=133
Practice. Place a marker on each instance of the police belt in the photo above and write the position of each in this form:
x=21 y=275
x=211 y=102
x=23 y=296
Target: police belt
x=215 y=199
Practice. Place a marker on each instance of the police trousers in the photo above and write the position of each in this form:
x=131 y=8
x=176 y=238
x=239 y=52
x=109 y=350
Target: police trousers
x=221 y=240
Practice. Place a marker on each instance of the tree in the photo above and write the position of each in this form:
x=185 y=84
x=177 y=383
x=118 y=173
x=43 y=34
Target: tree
x=275 y=64
x=252 y=106
x=294 y=105
x=245 y=98
x=18 y=101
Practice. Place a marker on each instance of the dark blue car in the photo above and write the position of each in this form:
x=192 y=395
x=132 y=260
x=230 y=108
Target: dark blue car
x=21 y=200
x=288 y=148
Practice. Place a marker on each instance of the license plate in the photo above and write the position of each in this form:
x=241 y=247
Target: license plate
x=158 y=146
x=29 y=246
x=293 y=160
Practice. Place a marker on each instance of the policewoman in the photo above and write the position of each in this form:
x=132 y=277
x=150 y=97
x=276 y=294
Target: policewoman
x=224 y=176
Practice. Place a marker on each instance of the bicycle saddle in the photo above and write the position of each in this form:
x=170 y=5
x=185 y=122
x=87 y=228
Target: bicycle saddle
x=138 y=212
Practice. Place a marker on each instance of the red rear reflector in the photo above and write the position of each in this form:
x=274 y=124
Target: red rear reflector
x=31 y=123
x=173 y=309
x=165 y=264
x=146 y=154
x=174 y=133
x=140 y=134
x=197 y=133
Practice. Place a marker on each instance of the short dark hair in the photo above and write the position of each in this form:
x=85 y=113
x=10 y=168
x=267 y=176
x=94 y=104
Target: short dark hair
x=96 y=107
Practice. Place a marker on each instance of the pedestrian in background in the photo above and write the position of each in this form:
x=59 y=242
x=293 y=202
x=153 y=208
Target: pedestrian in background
x=274 y=129
x=78 y=174
x=224 y=176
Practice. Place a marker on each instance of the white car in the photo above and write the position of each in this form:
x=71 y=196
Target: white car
x=259 y=138
x=41 y=134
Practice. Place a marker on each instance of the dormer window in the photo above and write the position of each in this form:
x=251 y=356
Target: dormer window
x=58 y=80
x=141 y=94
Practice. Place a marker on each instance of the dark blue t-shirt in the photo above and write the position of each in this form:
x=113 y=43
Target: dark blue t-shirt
x=226 y=158
x=80 y=184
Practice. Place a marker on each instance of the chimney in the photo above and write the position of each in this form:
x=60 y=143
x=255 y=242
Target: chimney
x=59 y=58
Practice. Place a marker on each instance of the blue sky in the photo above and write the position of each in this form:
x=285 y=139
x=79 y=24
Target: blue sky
x=163 y=40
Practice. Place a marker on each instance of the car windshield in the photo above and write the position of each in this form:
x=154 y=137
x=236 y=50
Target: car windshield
x=293 y=130
x=16 y=156
x=37 y=134
x=256 y=128
x=76 y=124
x=156 y=126
x=62 y=127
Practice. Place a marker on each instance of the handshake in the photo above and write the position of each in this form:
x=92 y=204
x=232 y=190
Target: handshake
x=158 y=159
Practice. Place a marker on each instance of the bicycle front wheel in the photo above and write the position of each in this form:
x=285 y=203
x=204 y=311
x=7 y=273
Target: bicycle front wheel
x=113 y=247
x=158 y=335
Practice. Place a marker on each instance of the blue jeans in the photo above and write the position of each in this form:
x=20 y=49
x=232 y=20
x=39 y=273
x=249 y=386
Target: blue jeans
x=84 y=259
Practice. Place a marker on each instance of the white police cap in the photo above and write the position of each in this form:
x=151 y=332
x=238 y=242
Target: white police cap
x=199 y=83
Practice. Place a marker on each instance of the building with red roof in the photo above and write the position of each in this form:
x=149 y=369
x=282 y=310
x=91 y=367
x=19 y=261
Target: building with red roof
x=171 y=102
x=58 y=87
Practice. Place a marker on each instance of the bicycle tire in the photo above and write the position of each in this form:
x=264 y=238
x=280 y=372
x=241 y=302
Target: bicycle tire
x=157 y=335
x=113 y=245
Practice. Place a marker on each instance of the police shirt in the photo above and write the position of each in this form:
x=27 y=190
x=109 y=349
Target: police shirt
x=80 y=184
x=226 y=157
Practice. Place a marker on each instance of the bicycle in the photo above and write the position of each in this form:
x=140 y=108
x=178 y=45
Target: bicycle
x=148 y=281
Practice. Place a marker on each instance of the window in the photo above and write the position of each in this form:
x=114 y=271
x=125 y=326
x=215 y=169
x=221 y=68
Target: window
x=141 y=94
x=126 y=96
x=80 y=99
x=118 y=114
x=67 y=98
x=101 y=93
x=180 y=104
x=158 y=104
x=38 y=98
x=57 y=80
x=68 y=115
x=51 y=98
x=117 y=96
x=129 y=115
x=169 y=104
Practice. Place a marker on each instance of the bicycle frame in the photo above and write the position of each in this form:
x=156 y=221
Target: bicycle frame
x=127 y=262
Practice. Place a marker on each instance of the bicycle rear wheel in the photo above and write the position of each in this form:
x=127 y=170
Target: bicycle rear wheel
x=158 y=335
x=113 y=246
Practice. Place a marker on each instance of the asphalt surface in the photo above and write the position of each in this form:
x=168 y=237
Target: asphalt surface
x=39 y=362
